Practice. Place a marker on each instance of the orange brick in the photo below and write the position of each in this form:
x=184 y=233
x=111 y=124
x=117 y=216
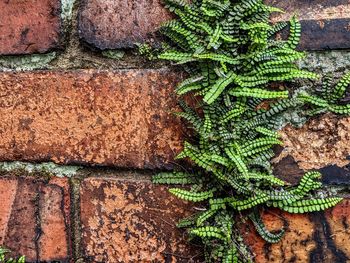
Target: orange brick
x=132 y=221
x=110 y=24
x=33 y=221
x=29 y=26
x=120 y=118
x=313 y=237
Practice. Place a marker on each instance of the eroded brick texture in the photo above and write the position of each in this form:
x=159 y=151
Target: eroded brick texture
x=122 y=23
x=311 y=10
x=325 y=24
x=119 y=118
x=132 y=221
x=110 y=24
x=320 y=142
x=313 y=237
x=29 y=26
x=34 y=218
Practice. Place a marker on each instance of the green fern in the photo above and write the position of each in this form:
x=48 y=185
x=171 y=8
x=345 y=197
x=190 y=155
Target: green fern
x=310 y=205
x=208 y=232
x=192 y=196
x=231 y=55
x=5 y=259
x=174 y=178
x=263 y=232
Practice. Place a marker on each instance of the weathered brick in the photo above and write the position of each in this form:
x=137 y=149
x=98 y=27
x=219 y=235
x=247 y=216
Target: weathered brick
x=315 y=237
x=132 y=221
x=33 y=218
x=119 y=24
x=54 y=244
x=320 y=142
x=325 y=24
x=29 y=26
x=121 y=118
x=311 y=10
x=110 y=24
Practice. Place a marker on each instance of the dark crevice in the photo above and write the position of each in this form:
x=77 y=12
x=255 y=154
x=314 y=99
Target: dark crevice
x=326 y=250
x=38 y=230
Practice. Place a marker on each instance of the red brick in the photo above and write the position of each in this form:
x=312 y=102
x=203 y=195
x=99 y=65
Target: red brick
x=325 y=24
x=311 y=10
x=54 y=206
x=120 y=118
x=315 y=237
x=119 y=24
x=320 y=142
x=33 y=219
x=132 y=221
x=110 y=24
x=29 y=26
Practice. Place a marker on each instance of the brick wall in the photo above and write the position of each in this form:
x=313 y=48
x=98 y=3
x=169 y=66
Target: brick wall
x=107 y=125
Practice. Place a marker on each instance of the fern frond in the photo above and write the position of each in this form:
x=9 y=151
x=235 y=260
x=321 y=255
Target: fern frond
x=276 y=28
x=238 y=162
x=187 y=222
x=339 y=109
x=312 y=100
x=238 y=109
x=310 y=205
x=177 y=56
x=191 y=118
x=214 y=38
x=174 y=178
x=258 y=145
x=205 y=216
x=307 y=183
x=232 y=255
x=217 y=57
x=259 y=93
x=219 y=203
x=250 y=202
x=219 y=86
x=208 y=232
x=192 y=196
x=270 y=179
x=341 y=87
x=267 y=132
x=279 y=107
x=189 y=84
x=263 y=232
x=295 y=33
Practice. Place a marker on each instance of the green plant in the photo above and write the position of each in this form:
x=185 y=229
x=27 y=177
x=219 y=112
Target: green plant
x=4 y=259
x=232 y=56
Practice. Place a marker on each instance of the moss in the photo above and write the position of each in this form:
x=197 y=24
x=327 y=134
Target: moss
x=327 y=61
x=114 y=54
x=26 y=62
x=67 y=10
x=47 y=168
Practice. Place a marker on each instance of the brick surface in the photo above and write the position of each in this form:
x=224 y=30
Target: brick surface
x=119 y=24
x=132 y=221
x=110 y=24
x=320 y=142
x=325 y=24
x=33 y=218
x=29 y=26
x=325 y=34
x=311 y=10
x=314 y=237
x=120 y=118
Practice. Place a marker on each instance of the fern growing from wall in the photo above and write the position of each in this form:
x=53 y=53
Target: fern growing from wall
x=231 y=54
x=5 y=259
